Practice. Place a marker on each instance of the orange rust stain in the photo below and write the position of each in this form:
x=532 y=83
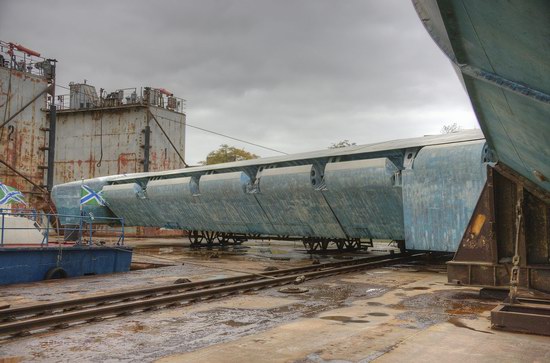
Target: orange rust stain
x=478 y=224
x=91 y=167
x=127 y=163
x=459 y=308
x=13 y=359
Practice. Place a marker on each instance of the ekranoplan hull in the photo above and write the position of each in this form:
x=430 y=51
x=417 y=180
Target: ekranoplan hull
x=421 y=190
x=501 y=52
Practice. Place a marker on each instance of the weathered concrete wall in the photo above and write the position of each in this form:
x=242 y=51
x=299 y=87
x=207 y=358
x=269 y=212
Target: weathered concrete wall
x=162 y=155
x=22 y=139
x=107 y=141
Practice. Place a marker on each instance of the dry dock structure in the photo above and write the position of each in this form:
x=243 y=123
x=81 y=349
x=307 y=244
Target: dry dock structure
x=418 y=250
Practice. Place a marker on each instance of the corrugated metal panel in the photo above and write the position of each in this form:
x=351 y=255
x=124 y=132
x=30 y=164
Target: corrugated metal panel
x=177 y=204
x=440 y=193
x=365 y=198
x=229 y=207
x=294 y=205
x=130 y=202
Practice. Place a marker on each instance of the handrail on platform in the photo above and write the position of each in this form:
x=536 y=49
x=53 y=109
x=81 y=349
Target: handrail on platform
x=43 y=223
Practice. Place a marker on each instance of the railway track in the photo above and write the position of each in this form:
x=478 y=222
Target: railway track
x=24 y=320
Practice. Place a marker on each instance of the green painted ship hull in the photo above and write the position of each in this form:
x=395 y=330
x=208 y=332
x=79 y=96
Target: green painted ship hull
x=501 y=52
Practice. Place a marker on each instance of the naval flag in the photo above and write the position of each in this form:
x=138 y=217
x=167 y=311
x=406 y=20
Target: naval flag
x=9 y=195
x=90 y=197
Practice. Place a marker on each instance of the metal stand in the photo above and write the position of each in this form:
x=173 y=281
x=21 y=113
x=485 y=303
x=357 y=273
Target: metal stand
x=507 y=244
x=524 y=315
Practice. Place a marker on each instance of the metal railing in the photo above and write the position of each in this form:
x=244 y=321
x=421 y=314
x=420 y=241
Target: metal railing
x=19 y=58
x=121 y=97
x=52 y=232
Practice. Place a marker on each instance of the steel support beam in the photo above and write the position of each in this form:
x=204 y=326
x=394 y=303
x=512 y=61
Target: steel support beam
x=484 y=257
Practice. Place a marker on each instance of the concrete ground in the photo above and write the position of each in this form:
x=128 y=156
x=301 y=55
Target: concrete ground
x=396 y=314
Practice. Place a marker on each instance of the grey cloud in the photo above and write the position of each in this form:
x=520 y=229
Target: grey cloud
x=293 y=75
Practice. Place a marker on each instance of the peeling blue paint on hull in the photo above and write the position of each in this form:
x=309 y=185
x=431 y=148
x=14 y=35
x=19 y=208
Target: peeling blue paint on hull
x=500 y=50
x=28 y=264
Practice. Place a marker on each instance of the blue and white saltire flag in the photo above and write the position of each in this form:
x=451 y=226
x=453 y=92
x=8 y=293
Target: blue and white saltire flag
x=90 y=197
x=10 y=195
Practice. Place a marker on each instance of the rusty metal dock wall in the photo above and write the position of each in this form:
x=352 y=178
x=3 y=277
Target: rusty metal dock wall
x=23 y=140
x=110 y=140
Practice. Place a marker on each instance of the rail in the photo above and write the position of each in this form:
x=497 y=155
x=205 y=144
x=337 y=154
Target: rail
x=16 y=57
x=85 y=97
x=42 y=226
x=22 y=320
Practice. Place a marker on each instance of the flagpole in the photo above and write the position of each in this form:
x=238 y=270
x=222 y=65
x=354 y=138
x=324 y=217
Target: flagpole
x=81 y=209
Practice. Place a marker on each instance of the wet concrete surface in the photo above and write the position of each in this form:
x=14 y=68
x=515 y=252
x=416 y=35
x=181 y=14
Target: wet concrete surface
x=374 y=315
x=172 y=261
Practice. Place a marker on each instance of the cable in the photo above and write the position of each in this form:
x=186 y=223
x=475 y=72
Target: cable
x=98 y=165
x=224 y=135
x=214 y=132
x=234 y=138
x=168 y=138
x=8 y=96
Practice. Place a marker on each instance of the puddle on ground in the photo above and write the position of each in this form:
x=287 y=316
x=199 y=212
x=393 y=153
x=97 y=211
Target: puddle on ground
x=234 y=323
x=335 y=294
x=151 y=256
x=136 y=266
x=472 y=295
x=415 y=288
x=377 y=314
x=374 y=303
x=284 y=251
x=343 y=319
x=424 y=310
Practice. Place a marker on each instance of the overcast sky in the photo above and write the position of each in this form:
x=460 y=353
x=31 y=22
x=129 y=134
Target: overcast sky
x=294 y=75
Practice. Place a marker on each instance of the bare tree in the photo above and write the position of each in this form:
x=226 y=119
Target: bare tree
x=451 y=128
x=343 y=143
